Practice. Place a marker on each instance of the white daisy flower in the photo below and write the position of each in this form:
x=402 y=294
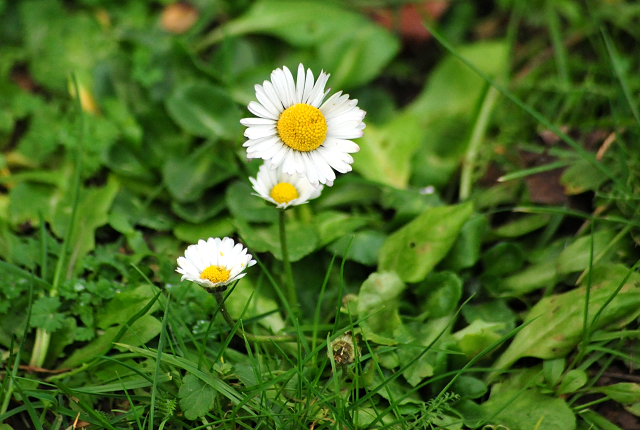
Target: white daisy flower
x=296 y=130
x=283 y=190
x=215 y=263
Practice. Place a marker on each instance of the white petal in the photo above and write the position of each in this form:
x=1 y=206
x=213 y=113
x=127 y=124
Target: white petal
x=259 y=110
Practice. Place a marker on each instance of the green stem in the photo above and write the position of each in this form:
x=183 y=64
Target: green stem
x=43 y=337
x=243 y=334
x=479 y=128
x=292 y=295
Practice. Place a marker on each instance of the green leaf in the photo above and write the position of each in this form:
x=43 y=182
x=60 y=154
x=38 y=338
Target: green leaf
x=302 y=239
x=572 y=381
x=626 y=393
x=243 y=205
x=364 y=249
x=580 y=177
x=331 y=225
x=477 y=336
x=187 y=178
x=529 y=410
x=92 y=212
x=465 y=251
x=191 y=233
x=141 y=331
x=259 y=304
x=45 y=315
x=556 y=322
x=378 y=299
x=205 y=110
x=553 y=370
x=196 y=397
x=199 y=211
x=415 y=249
x=28 y=200
x=445 y=108
x=443 y=291
x=575 y=257
x=469 y=387
x=351 y=47
x=124 y=305
x=502 y=259
x=386 y=151
x=523 y=225
x=538 y=275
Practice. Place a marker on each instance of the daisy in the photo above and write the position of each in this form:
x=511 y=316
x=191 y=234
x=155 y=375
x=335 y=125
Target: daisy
x=283 y=190
x=298 y=132
x=215 y=263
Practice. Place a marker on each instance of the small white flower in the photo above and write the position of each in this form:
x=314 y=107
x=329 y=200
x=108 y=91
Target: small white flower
x=215 y=263
x=295 y=130
x=283 y=190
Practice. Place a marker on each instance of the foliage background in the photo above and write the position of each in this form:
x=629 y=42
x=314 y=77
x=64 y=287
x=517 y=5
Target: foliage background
x=475 y=302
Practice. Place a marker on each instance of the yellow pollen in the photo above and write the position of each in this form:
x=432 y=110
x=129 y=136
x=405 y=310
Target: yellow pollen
x=284 y=192
x=215 y=274
x=302 y=127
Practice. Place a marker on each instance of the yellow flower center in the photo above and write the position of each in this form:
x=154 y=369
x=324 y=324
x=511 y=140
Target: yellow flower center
x=302 y=127
x=284 y=192
x=215 y=274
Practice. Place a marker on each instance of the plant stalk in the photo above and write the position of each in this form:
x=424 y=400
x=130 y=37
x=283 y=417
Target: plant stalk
x=292 y=295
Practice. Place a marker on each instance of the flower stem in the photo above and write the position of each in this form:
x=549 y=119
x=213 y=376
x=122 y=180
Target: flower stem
x=243 y=334
x=292 y=296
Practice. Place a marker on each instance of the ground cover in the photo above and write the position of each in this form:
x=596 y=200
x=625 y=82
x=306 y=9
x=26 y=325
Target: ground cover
x=470 y=264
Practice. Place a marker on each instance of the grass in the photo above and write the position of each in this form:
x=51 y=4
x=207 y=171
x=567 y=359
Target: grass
x=477 y=270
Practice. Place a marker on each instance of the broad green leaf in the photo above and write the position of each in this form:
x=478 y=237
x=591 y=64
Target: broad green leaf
x=244 y=205
x=580 y=177
x=28 y=200
x=445 y=108
x=205 y=110
x=199 y=211
x=187 y=178
x=553 y=370
x=386 y=151
x=92 y=212
x=415 y=249
x=521 y=226
x=191 y=233
x=196 y=397
x=331 y=225
x=364 y=246
x=59 y=43
x=469 y=387
x=502 y=259
x=124 y=305
x=626 y=393
x=465 y=251
x=477 y=336
x=351 y=47
x=539 y=275
x=259 y=304
x=529 y=410
x=575 y=257
x=490 y=311
x=572 y=381
x=378 y=300
x=141 y=331
x=302 y=239
x=556 y=322
x=442 y=292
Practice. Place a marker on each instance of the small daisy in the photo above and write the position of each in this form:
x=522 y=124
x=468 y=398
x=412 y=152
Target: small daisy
x=299 y=132
x=215 y=263
x=281 y=189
